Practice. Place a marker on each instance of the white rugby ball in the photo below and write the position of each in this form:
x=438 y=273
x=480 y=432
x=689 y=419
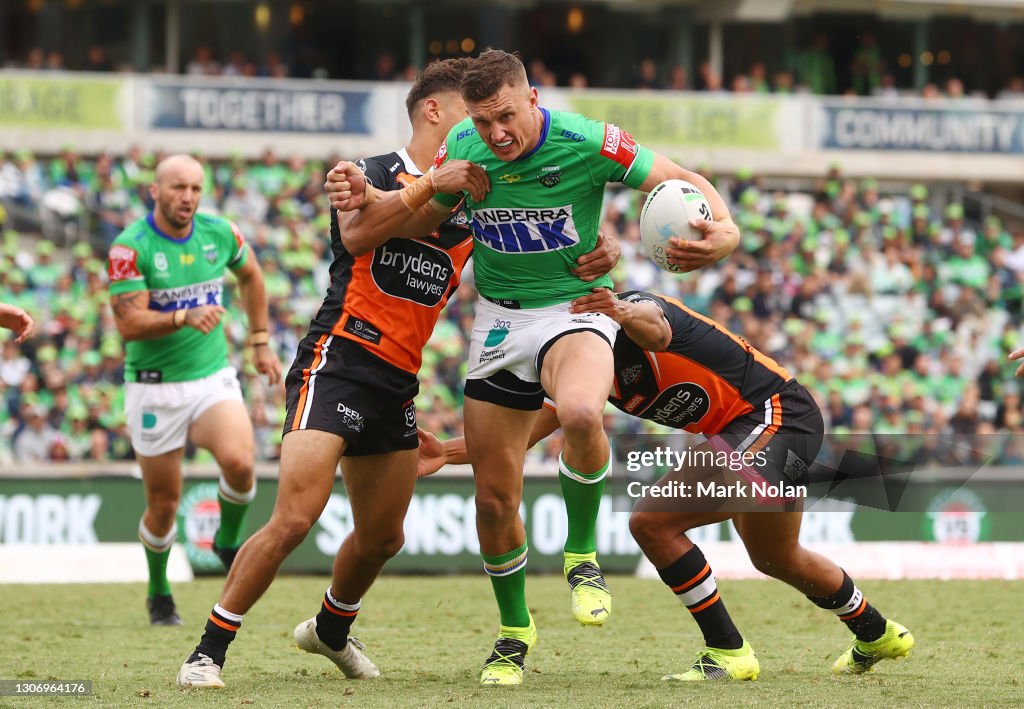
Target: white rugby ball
x=667 y=213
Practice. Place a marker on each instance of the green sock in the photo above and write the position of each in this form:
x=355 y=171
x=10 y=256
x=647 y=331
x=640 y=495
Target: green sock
x=157 y=561
x=582 y=503
x=508 y=579
x=232 y=523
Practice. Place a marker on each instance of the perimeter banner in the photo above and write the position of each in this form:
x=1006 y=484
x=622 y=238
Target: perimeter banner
x=57 y=101
x=672 y=120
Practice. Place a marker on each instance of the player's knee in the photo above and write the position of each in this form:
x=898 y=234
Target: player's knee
x=381 y=546
x=162 y=509
x=237 y=467
x=580 y=418
x=288 y=531
x=496 y=506
x=647 y=528
x=774 y=562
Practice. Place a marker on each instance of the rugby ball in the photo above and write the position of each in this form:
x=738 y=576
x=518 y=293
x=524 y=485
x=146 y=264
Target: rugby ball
x=667 y=213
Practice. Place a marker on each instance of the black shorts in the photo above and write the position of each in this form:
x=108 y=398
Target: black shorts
x=782 y=438
x=335 y=385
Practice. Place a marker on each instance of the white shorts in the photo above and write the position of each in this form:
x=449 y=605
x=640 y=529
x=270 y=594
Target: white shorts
x=508 y=346
x=159 y=415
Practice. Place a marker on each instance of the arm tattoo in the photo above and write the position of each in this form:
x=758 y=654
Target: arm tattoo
x=124 y=302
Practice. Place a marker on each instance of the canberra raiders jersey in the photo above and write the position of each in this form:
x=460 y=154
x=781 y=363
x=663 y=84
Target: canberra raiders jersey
x=544 y=208
x=388 y=301
x=178 y=273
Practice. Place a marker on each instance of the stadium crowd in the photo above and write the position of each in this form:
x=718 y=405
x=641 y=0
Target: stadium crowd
x=810 y=69
x=895 y=311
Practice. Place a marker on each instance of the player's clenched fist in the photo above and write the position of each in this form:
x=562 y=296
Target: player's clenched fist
x=204 y=317
x=457 y=176
x=346 y=187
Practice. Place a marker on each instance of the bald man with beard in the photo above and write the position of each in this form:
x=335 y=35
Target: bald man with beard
x=166 y=274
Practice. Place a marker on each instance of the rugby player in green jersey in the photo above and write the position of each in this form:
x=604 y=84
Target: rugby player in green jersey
x=166 y=275
x=546 y=173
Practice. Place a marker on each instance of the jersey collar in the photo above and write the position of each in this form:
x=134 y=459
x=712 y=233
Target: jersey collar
x=152 y=223
x=543 y=136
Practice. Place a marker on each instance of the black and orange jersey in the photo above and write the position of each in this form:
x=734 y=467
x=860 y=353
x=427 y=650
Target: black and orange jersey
x=389 y=300
x=705 y=379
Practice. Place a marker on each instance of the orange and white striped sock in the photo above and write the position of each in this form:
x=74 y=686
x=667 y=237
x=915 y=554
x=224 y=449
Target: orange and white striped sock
x=690 y=577
x=851 y=607
x=334 y=620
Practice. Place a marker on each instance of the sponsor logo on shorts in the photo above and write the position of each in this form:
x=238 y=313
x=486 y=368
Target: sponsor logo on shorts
x=198 y=520
x=351 y=418
x=498 y=333
x=148 y=420
x=631 y=375
x=634 y=403
x=525 y=231
x=412 y=270
x=410 y=415
x=550 y=176
x=680 y=405
x=491 y=355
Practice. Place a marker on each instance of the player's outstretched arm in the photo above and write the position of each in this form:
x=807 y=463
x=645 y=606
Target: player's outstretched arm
x=435 y=453
x=644 y=322
x=1018 y=354
x=254 y=300
x=721 y=236
x=368 y=217
x=14 y=318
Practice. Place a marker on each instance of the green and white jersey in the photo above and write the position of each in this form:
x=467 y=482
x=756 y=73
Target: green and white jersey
x=544 y=208
x=178 y=273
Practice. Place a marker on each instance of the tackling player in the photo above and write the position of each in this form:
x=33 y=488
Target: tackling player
x=743 y=401
x=547 y=172
x=166 y=275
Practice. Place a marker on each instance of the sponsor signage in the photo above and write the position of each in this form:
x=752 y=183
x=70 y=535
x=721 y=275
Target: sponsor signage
x=38 y=102
x=936 y=130
x=440 y=528
x=673 y=120
x=258 y=107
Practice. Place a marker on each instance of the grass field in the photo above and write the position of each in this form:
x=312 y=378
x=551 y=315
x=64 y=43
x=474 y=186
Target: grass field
x=429 y=636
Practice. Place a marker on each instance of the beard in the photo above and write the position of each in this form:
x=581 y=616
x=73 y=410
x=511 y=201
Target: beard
x=171 y=216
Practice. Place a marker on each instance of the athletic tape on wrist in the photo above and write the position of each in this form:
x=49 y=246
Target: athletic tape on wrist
x=419 y=192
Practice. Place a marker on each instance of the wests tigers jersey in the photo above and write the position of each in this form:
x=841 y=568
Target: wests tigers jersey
x=388 y=301
x=705 y=379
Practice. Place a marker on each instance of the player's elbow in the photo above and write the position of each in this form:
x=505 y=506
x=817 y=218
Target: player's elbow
x=127 y=329
x=356 y=242
x=662 y=341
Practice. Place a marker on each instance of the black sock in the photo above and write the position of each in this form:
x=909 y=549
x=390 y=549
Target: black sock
x=334 y=620
x=849 y=604
x=691 y=579
x=221 y=628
